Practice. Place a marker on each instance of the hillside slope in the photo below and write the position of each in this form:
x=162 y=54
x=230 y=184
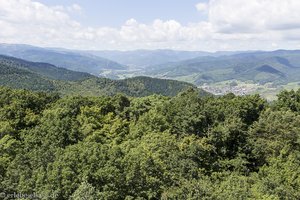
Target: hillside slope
x=261 y=67
x=136 y=87
x=44 y=69
x=17 y=73
x=61 y=58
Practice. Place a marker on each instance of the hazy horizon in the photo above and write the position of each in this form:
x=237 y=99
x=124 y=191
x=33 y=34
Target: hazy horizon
x=165 y=49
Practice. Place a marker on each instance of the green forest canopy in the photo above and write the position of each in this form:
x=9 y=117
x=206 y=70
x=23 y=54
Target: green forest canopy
x=154 y=147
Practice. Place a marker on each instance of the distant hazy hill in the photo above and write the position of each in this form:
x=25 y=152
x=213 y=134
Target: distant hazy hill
x=17 y=73
x=44 y=69
x=144 y=58
x=278 y=67
x=61 y=58
x=261 y=67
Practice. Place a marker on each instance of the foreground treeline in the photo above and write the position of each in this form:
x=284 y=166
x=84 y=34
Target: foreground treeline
x=185 y=147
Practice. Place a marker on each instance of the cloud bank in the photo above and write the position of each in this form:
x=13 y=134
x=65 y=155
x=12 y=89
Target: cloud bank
x=230 y=25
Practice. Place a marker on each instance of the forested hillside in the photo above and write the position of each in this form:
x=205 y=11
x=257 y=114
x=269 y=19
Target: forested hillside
x=16 y=77
x=44 y=69
x=154 y=147
x=136 y=87
x=21 y=74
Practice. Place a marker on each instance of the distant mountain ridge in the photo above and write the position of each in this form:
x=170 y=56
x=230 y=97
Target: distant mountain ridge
x=145 y=58
x=48 y=70
x=18 y=73
x=197 y=67
x=279 y=66
x=62 y=58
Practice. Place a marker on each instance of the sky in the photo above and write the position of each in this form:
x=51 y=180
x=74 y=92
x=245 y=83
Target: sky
x=202 y=25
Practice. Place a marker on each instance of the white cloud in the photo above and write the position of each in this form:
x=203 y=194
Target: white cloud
x=203 y=7
x=74 y=8
x=25 y=21
x=231 y=25
x=254 y=15
x=257 y=20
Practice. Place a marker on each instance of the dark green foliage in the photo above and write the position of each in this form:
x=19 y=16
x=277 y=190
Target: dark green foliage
x=136 y=87
x=23 y=78
x=154 y=147
x=289 y=100
x=145 y=86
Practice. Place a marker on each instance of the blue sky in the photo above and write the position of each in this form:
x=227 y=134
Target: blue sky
x=115 y=12
x=204 y=25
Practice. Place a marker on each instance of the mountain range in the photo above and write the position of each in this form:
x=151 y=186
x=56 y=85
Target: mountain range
x=278 y=69
x=62 y=58
x=141 y=59
x=18 y=73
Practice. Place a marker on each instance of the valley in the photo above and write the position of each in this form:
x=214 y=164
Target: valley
x=250 y=72
x=20 y=74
